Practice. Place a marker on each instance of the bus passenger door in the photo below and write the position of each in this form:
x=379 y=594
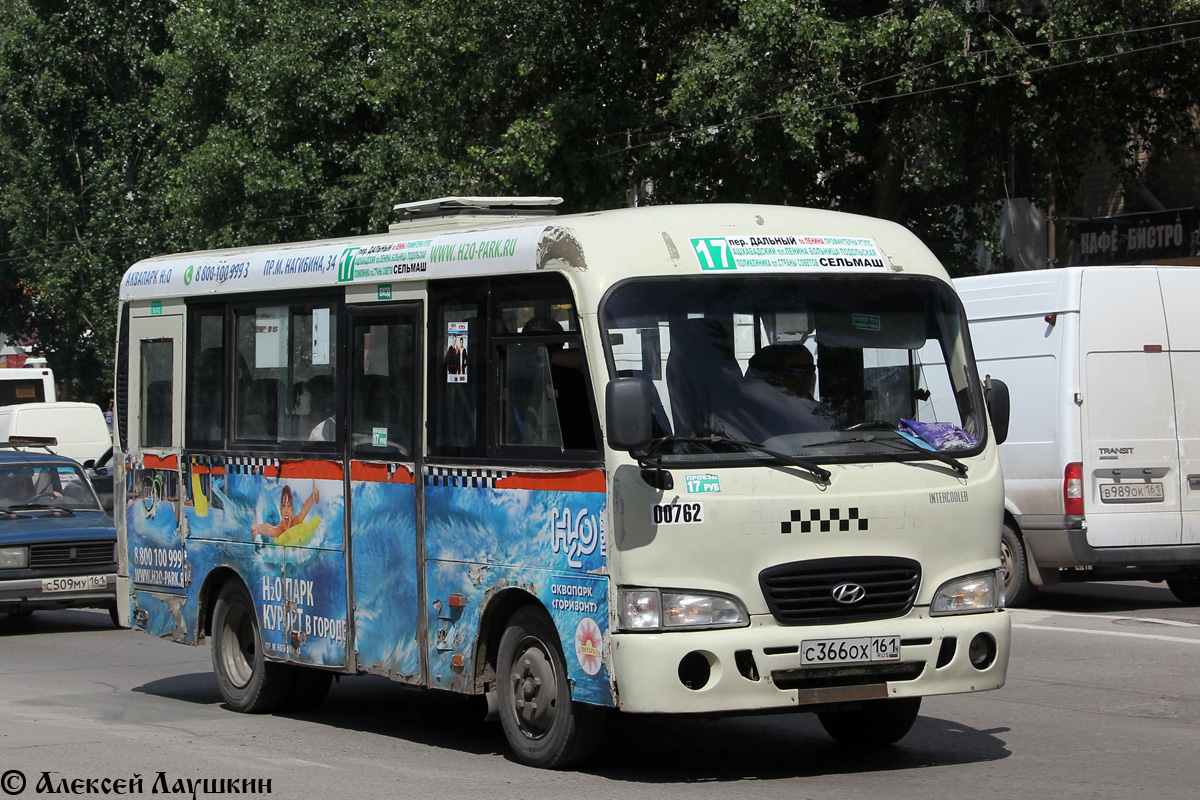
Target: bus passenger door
x=151 y=430
x=384 y=446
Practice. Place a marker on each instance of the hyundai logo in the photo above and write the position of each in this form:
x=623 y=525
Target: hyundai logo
x=848 y=593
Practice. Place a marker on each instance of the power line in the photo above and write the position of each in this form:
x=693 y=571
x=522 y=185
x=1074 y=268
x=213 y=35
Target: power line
x=914 y=71
x=713 y=128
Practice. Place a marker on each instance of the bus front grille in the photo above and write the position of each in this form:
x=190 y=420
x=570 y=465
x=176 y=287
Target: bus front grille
x=834 y=590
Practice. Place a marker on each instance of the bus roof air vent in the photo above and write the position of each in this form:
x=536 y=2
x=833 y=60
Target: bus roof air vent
x=471 y=207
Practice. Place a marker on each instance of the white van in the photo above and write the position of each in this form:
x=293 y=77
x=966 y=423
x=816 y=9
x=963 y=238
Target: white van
x=80 y=428
x=1102 y=460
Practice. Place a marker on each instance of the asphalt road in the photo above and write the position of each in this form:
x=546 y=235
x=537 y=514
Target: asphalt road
x=1102 y=701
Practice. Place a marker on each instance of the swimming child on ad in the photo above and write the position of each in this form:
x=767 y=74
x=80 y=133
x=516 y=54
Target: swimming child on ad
x=291 y=525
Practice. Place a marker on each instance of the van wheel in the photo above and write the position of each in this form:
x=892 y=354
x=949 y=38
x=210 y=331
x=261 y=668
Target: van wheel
x=248 y=682
x=1014 y=568
x=876 y=723
x=543 y=726
x=1186 y=587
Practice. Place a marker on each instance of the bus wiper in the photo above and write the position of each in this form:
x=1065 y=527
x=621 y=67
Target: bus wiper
x=783 y=458
x=936 y=455
x=646 y=458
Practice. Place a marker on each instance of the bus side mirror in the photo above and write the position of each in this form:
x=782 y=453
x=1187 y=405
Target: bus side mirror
x=995 y=394
x=627 y=413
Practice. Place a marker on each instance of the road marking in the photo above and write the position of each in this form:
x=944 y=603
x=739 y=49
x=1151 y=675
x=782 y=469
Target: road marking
x=1033 y=612
x=1126 y=634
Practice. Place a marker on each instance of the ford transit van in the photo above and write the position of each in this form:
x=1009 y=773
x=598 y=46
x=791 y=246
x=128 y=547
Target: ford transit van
x=1102 y=460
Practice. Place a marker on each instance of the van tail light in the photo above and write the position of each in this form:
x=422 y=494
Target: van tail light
x=1073 y=489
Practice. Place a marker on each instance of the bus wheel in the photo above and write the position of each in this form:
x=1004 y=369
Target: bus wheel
x=248 y=682
x=311 y=686
x=1014 y=568
x=1186 y=587
x=876 y=723
x=543 y=726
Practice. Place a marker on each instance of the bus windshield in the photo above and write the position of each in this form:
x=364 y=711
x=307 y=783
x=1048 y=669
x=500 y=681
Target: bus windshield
x=817 y=367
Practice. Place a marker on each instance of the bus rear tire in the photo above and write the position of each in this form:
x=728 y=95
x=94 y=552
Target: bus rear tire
x=248 y=682
x=875 y=724
x=1014 y=568
x=543 y=726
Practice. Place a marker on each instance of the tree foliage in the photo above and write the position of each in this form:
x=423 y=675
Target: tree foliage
x=133 y=127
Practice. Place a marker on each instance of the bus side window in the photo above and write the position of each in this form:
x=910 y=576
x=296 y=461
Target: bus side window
x=286 y=373
x=457 y=371
x=205 y=414
x=529 y=397
x=382 y=385
x=157 y=391
x=544 y=392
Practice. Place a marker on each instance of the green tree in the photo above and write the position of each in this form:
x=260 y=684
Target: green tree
x=75 y=141
x=928 y=112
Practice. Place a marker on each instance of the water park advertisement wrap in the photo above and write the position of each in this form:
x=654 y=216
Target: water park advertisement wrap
x=543 y=533
x=383 y=541
x=277 y=524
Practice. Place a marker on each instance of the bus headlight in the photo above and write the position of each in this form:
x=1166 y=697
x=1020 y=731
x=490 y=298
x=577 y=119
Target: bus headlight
x=969 y=595
x=656 y=610
x=14 y=557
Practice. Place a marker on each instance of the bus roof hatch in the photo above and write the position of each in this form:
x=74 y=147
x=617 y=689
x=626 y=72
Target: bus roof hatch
x=476 y=206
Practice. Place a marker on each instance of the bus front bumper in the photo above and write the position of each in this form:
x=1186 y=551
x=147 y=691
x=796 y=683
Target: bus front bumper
x=759 y=668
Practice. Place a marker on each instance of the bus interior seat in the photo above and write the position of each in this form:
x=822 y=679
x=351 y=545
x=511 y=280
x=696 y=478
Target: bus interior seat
x=260 y=417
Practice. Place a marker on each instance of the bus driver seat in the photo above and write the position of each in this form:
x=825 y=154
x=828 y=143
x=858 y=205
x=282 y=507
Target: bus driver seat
x=703 y=378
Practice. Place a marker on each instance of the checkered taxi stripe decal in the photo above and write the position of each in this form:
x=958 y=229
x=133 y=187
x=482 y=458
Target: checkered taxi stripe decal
x=464 y=478
x=824 y=521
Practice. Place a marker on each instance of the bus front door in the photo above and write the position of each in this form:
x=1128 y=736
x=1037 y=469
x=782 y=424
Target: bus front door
x=384 y=493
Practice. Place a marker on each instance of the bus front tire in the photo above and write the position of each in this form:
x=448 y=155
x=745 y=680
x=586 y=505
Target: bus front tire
x=543 y=726
x=248 y=682
x=874 y=724
x=1014 y=567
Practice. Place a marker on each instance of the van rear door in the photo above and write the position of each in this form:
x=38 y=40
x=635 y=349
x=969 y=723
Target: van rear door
x=1181 y=293
x=1130 y=451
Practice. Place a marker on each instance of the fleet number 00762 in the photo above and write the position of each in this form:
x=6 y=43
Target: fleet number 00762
x=677 y=513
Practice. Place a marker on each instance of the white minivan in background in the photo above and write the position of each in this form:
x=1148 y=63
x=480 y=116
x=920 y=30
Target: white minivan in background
x=1102 y=460
x=80 y=428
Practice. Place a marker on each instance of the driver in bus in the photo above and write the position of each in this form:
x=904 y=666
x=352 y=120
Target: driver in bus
x=788 y=367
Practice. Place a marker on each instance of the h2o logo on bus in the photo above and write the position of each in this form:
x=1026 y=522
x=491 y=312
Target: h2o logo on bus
x=576 y=535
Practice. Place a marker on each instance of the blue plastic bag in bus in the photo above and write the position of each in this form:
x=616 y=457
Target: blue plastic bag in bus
x=941 y=435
